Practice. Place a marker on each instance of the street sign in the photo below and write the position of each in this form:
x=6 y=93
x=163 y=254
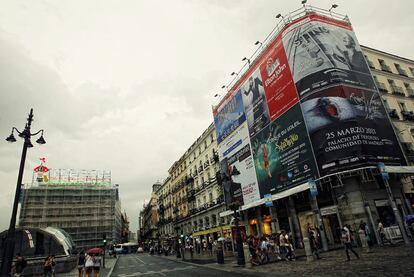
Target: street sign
x=384 y=173
x=312 y=187
x=268 y=199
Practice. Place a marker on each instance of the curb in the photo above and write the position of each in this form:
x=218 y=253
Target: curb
x=112 y=269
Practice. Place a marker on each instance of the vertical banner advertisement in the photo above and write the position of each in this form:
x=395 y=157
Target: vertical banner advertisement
x=282 y=154
x=235 y=151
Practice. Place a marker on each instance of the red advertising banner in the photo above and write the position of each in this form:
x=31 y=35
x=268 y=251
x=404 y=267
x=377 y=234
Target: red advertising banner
x=277 y=80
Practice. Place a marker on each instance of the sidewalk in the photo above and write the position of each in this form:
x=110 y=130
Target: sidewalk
x=104 y=272
x=381 y=261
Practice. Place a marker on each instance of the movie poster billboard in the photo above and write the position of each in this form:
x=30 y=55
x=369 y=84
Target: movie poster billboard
x=278 y=84
x=236 y=152
x=282 y=154
x=229 y=116
x=349 y=127
x=323 y=52
x=254 y=101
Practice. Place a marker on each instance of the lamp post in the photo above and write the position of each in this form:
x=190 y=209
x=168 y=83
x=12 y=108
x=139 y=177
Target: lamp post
x=239 y=242
x=8 y=246
x=177 y=243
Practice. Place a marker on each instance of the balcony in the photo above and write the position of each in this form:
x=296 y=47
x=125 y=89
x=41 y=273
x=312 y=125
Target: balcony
x=206 y=164
x=393 y=114
x=407 y=115
x=381 y=87
x=386 y=68
x=397 y=90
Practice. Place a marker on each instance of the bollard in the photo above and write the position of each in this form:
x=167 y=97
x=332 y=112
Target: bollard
x=308 y=250
x=247 y=256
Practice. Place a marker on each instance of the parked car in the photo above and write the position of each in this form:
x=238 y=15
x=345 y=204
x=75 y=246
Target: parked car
x=140 y=250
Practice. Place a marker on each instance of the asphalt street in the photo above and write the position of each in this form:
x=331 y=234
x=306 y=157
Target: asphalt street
x=146 y=265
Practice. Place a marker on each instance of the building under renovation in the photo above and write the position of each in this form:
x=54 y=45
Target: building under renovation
x=83 y=203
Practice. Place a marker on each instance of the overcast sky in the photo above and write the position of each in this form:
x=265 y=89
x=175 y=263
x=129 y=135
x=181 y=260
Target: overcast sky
x=127 y=86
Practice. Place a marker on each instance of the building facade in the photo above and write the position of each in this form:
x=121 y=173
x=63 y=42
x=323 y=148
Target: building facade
x=149 y=217
x=394 y=76
x=86 y=212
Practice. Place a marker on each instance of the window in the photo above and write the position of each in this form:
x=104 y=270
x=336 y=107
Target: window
x=384 y=66
x=409 y=89
x=412 y=71
x=400 y=70
x=402 y=106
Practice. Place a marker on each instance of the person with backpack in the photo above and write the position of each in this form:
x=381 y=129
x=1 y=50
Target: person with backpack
x=19 y=265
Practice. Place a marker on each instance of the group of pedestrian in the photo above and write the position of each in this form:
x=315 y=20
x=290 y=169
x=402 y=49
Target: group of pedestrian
x=277 y=246
x=89 y=265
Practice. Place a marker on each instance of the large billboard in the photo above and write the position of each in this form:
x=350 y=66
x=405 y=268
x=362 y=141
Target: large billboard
x=282 y=153
x=311 y=106
x=346 y=120
x=323 y=52
x=235 y=153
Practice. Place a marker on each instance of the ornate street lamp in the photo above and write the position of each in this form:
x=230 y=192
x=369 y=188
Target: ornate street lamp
x=8 y=245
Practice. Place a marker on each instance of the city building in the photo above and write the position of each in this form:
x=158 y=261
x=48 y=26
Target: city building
x=345 y=193
x=191 y=199
x=149 y=217
x=394 y=76
x=83 y=203
x=124 y=228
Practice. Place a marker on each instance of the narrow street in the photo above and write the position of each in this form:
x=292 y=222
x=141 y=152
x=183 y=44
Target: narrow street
x=146 y=265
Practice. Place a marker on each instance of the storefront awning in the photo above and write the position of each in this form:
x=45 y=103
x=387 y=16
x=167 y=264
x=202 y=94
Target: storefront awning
x=399 y=169
x=276 y=196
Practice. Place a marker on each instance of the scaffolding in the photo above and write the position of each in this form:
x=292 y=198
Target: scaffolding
x=83 y=203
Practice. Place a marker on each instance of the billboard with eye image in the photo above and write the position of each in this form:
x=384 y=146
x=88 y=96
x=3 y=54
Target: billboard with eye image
x=323 y=52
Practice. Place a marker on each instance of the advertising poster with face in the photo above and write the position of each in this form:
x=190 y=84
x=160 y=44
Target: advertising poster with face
x=229 y=116
x=282 y=154
x=348 y=128
x=323 y=52
x=235 y=149
x=254 y=101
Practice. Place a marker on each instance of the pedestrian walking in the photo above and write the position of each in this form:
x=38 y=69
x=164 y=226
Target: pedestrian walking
x=19 y=265
x=89 y=262
x=381 y=232
x=346 y=240
x=314 y=241
x=81 y=264
x=96 y=265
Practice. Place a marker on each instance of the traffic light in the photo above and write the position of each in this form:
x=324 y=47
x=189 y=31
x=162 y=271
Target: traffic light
x=104 y=239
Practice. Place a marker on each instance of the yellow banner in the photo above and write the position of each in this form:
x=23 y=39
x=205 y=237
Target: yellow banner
x=212 y=230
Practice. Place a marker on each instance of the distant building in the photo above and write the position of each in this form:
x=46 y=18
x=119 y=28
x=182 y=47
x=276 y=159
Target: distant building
x=125 y=228
x=83 y=203
x=149 y=217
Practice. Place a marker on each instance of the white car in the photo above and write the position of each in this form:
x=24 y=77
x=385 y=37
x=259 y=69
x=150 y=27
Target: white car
x=140 y=250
